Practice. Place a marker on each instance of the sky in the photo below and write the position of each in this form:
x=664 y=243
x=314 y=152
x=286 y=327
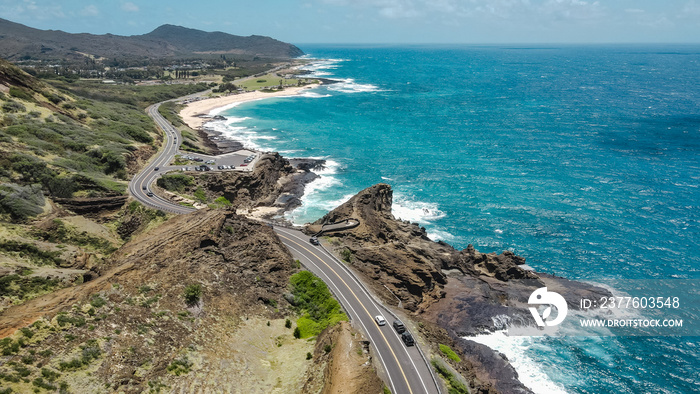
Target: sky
x=379 y=21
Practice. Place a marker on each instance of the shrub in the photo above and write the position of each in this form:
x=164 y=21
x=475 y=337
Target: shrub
x=455 y=386
x=175 y=182
x=288 y=323
x=309 y=356
x=180 y=366
x=21 y=94
x=222 y=201
x=13 y=106
x=346 y=255
x=21 y=202
x=192 y=294
x=97 y=301
x=313 y=299
x=449 y=353
x=297 y=333
x=200 y=195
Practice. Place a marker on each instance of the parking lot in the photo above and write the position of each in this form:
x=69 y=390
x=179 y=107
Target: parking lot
x=242 y=160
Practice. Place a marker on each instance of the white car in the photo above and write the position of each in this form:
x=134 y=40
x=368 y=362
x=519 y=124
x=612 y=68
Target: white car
x=380 y=320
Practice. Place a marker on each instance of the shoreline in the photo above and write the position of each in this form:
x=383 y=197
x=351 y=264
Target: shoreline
x=197 y=113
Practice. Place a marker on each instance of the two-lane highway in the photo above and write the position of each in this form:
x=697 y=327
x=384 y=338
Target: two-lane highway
x=405 y=369
x=140 y=185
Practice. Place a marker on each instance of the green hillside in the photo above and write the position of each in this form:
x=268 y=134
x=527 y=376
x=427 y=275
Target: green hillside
x=69 y=145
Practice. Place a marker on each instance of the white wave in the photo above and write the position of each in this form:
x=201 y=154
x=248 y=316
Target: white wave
x=350 y=86
x=313 y=200
x=248 y=137
x=387 y=178
x=310 y=94
x=515 y=348
x=233 y=119
x=440 y=235
x=415 y=211
x=316 y=68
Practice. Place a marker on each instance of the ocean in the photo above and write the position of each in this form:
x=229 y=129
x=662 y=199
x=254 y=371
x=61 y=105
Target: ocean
x=583 y=159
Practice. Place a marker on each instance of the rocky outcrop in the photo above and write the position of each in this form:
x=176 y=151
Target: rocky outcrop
x=274 y=183
x=465 y=292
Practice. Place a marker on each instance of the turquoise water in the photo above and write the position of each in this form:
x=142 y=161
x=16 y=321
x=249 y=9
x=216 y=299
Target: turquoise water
x=585 y=160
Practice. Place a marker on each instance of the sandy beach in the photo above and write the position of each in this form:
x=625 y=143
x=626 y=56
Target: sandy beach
x=192 y=113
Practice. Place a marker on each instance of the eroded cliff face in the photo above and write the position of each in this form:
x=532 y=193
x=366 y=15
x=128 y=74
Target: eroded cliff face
x=400 y=256
x=453 y=293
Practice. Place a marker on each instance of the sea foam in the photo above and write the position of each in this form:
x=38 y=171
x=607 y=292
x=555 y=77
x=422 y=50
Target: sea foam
x=516 y=348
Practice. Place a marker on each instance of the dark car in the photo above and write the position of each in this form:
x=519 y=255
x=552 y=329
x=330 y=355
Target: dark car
x=314 y=241
x=149 y=194
x=399 y=327
x=407 y=338
x=156 y=169
x=144 y=187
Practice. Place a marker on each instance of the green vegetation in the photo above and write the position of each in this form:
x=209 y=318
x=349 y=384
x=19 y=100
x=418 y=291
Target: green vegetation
x=449 y=353
x=455 y=385
x=346 y=255
x=309 y=356
x=385 y=390
x=266 y=81
x=192 y=294
x=89 y=352
x=316 y=304
x=220 y=202
x=175 y=182
x=180 y=366
x=170 y=111
x=60 y=232
x=141 y=96
x=200 y=195
x=21 y=202
x=64 y=318
x=31 y=252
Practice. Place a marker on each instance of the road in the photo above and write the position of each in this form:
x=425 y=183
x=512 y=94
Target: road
x=405 y=368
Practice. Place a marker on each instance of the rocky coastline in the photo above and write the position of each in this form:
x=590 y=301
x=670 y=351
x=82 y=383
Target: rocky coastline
x=452 y=293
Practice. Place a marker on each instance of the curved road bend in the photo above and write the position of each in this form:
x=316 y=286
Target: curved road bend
x=405 y=369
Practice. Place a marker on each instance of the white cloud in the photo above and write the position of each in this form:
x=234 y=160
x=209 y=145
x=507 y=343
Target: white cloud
x=90 y=10
x=130 y=7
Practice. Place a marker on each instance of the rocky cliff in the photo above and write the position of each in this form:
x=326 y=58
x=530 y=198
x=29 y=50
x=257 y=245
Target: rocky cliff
x=465 y=292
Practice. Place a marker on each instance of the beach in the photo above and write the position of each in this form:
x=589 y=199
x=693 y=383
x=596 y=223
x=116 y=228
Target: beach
x=195 y=113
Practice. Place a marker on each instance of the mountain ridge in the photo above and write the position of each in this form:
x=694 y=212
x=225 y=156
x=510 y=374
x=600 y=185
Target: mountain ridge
x=21 y=42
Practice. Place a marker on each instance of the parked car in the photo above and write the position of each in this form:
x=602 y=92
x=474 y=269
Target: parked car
x=198 y=168
x=244 y=164
x=399 y=327
x=407 y=339
x=380 y=320
x=314 y=241
x=220 y=167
